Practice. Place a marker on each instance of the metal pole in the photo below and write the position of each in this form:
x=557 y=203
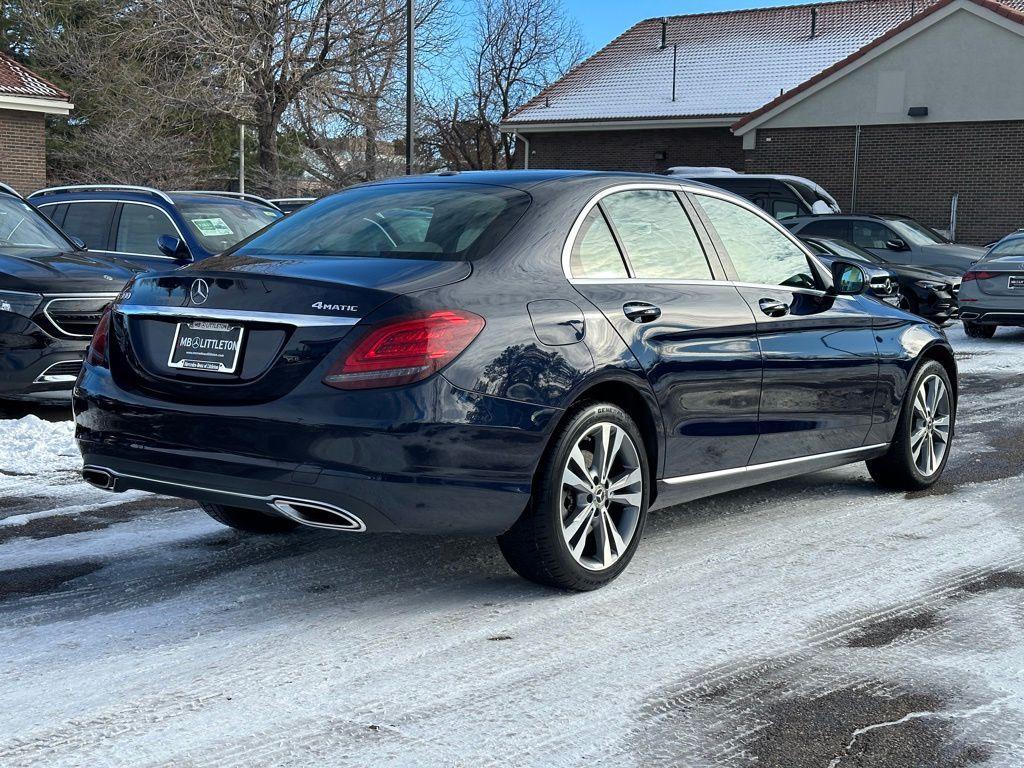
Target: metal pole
x=410 y=99
x=241 y=158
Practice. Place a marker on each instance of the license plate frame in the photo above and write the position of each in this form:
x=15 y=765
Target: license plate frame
x=208 y=358
x=1013 y=282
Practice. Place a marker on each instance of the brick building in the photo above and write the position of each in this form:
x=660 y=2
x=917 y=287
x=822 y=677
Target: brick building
x=891 y=105
x=25 y=100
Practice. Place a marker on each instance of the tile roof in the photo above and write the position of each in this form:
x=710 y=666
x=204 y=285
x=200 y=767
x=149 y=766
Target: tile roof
x=729 y=63
x=17 y=80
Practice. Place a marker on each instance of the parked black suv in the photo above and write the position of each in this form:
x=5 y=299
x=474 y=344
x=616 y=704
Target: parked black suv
x=152 y=229
x=52 y=294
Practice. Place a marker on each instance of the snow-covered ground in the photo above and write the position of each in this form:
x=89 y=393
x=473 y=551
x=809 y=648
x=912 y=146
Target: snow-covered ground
x=812 y=622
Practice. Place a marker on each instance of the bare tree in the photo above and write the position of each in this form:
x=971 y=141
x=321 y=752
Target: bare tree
x=518 y=47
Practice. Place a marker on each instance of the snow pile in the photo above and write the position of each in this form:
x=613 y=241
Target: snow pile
x=31 y=446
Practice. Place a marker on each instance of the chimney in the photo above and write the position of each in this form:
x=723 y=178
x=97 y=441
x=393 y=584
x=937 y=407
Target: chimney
x=664 y=34
x=814 y=22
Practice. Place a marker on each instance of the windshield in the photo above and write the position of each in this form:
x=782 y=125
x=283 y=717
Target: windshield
x=853 y=252
x=220 y=224
x=21 y=226
x=425 y=220
x=915 y=232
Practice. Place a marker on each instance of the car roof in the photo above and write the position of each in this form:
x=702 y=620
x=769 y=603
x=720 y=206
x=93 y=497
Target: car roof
x=526 y=179
x=131 y=193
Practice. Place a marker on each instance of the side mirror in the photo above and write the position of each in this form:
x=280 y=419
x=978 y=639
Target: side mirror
x=897 y=245
x=79 y=242
x=848 y=279
x=174 y=247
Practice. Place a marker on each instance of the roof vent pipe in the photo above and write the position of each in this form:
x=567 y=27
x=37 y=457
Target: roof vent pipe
x=664 y=34
x=814 y=22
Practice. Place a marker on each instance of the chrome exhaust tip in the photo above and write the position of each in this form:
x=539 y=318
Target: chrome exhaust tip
x=99 y=478
x=318 y=514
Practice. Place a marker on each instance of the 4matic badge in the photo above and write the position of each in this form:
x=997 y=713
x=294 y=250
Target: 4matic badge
x=336 y=307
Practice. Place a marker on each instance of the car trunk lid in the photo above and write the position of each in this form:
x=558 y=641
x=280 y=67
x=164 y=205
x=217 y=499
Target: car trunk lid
x=248 y=329
x=999 y=276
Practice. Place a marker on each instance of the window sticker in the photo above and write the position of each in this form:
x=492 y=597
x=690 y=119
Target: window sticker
x=212 y=227
x=270 y=214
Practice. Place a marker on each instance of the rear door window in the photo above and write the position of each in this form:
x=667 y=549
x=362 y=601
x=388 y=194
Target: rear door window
x=659 y=240
x=90 y=222
x=838 y=229
x=595 y=254
x=139 y=227
x=759 y=252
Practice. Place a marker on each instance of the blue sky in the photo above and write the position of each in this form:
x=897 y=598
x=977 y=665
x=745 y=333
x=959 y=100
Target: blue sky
x=603 y=20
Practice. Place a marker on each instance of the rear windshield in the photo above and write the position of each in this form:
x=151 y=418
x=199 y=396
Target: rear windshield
x=430 y=220
x=22 y=227
x=1013 y=247
x=219 y=225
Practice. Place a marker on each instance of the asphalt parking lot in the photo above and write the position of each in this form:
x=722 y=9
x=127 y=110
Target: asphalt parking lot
x=811 y=622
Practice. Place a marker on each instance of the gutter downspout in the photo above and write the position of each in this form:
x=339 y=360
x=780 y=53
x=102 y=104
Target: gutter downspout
x=856 y=170
x=526 y=149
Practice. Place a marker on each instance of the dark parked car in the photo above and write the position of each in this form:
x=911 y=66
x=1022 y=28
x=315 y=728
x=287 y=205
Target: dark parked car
x=930 y=293
x=992 y=293
x=780 y=195
x=291 y=204
x=52 y=294
x=883 y=282
x=152 y=229
x=897 y=239
x=546 y=357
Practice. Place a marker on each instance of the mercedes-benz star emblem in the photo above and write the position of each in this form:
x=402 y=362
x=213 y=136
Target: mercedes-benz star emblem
x=200 y=291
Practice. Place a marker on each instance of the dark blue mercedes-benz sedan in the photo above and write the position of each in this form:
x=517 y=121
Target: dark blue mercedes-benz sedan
x=543 y=356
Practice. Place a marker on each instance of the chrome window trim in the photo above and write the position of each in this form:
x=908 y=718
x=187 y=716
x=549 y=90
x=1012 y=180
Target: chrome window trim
x=54 y=298
x=125 y=202
x=720 y=473
x=590 y=205
x=235 y=315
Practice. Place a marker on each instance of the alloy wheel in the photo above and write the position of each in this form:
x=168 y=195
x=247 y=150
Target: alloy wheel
x=930 y=425
x=601 y=494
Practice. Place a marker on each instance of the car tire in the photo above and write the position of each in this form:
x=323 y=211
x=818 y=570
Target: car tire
x=248 y=520
x=585 y=516
x=979 y=331
x=927 y=423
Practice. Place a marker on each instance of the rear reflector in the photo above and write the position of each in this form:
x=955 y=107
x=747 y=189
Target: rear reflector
x=968 y=276
x=97 y=354
x=405 y=350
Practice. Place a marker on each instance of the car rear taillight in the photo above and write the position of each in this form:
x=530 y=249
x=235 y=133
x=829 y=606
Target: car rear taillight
x=968 y=276
x=97 y=354
x=405 y=350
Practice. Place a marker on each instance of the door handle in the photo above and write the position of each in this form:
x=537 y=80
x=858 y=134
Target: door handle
x=773 y=307
x=641 y=311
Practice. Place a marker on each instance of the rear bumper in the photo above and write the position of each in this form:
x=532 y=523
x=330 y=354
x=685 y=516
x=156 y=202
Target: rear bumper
x=430 y=458
x=983 y=316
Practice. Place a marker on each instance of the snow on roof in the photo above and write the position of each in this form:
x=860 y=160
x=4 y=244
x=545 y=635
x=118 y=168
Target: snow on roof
x=729 y=63
x=17 y=80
